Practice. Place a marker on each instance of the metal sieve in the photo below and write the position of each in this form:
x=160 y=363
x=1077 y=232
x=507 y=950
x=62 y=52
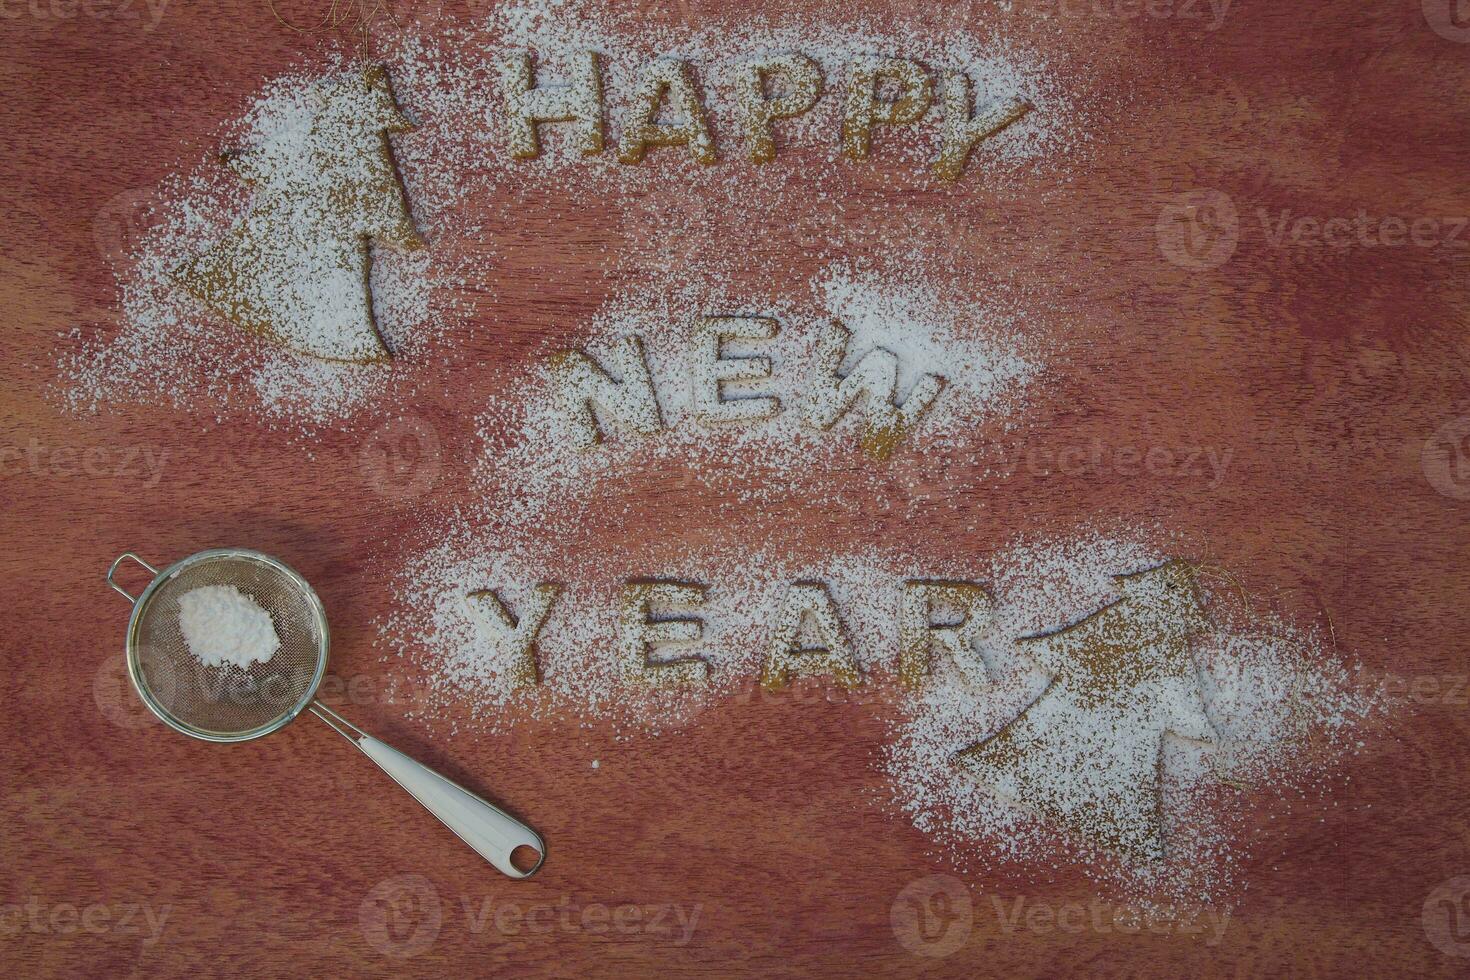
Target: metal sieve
x=228 y=703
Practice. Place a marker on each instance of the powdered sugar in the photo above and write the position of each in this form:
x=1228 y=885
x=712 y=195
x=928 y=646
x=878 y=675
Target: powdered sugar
x=1270 y=693
x=1267 y=701
x=977 y=348
x=693 y=241
x=169 y=349
x=222 y=625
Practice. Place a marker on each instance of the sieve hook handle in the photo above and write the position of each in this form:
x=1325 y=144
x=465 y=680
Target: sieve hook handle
x=493 y=833
x=113 y=571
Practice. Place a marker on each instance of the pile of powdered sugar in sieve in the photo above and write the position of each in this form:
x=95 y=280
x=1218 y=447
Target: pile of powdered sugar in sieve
x=222 y=625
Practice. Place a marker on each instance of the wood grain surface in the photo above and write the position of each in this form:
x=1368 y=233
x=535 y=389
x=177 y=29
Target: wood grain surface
x=1325 y=370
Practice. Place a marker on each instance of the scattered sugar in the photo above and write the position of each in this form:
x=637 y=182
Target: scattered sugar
x=1278 y=708
x=980 y=350
x=460 y=181
x=169 y=349
x=575 y=648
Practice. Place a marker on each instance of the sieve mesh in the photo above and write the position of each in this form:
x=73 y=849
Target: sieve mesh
x=228 y=703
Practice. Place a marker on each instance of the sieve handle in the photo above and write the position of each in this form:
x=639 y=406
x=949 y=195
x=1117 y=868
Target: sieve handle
x=113 y=571
x=493 y=833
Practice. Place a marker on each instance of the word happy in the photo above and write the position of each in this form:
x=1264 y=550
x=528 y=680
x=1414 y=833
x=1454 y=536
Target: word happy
x=669 y=107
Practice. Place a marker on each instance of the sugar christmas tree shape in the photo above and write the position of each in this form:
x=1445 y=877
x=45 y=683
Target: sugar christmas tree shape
x=296 y=267
x=1085 y=754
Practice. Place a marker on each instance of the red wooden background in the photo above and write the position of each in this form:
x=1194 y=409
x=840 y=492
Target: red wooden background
x=1338 y=375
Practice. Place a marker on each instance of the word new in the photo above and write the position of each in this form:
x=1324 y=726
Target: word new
x=669 y=108
x=589 y=396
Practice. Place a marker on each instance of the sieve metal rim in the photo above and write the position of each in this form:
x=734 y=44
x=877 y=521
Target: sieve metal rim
x=140 y=605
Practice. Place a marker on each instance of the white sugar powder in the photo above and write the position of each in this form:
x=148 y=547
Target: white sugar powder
x=169 y=348
x=1277 y=706
x=223 y=625
x=691 y=241
x=462 y=185
x=978 y=347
